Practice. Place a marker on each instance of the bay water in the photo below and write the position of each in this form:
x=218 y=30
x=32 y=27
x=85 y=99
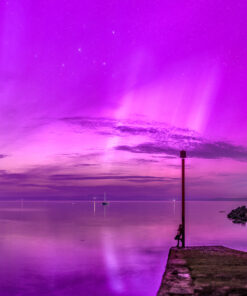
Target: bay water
x=85 y=248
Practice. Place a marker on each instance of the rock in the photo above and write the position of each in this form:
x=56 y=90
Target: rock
x=238 y=215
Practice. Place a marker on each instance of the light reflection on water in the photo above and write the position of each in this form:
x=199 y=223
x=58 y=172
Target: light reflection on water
x=82 y=248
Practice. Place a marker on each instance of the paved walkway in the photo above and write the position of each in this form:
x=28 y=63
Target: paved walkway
x=214 y=270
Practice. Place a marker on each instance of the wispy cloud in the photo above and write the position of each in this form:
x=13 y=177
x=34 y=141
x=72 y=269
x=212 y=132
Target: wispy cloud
x=207 y=150
x=77 y=177
x=3 y=155
x=161 y=139
x=149 y=148
x=50 y=177
x=42 y=180
x=145 y=161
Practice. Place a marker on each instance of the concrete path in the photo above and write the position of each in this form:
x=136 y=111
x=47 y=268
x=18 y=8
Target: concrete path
x=213 y=270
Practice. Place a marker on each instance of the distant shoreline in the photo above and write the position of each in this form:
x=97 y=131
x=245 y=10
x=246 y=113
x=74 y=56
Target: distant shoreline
x=119 y=200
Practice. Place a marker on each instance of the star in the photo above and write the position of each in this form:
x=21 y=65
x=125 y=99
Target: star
x=79 y=49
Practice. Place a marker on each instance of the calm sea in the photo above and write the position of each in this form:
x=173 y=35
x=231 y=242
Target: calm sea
x=84 y=248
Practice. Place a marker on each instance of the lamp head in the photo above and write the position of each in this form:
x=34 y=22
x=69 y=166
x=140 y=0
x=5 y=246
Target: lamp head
x=183 y=154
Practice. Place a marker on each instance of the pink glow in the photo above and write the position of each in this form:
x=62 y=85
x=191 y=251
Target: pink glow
x=94 y=97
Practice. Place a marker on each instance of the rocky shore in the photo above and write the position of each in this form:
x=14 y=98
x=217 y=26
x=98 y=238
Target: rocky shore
x=238 y=215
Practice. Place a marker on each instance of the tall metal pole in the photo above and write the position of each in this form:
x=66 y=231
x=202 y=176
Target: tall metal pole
x=183 y=156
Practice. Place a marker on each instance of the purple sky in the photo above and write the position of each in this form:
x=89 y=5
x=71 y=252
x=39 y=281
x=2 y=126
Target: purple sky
x=101 y=95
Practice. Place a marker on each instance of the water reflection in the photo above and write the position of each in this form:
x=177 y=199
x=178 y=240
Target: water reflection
x=84 y=248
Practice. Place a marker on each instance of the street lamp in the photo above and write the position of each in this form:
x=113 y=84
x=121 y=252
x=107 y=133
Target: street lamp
x=183 y=156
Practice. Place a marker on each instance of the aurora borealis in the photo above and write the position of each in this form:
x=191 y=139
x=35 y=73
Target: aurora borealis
x=100 y=96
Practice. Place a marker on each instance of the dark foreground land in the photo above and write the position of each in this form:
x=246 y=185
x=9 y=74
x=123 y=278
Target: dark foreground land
x=214 y=270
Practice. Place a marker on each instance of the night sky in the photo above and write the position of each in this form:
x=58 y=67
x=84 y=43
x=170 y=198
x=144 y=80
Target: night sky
x=100 y=96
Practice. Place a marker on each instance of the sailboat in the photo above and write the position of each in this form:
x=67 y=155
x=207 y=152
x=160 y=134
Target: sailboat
x=104 y=203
